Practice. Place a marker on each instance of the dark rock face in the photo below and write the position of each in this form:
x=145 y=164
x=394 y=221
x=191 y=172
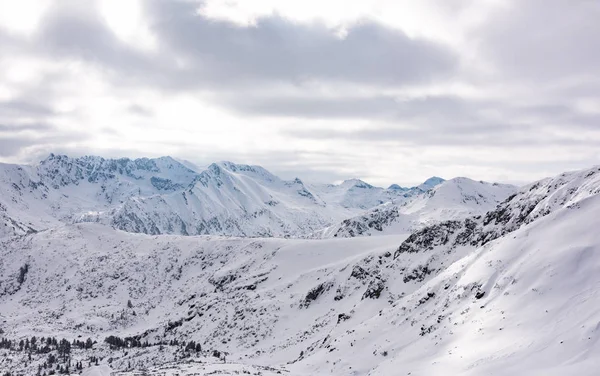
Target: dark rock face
x=343 y=317
x=359 y=273
x=418 y=274
x=165 y=184
x=375 y=288
x=13 y=283
x=428 y=238
x=221 y=282
x=315 y=293
x=376 y=220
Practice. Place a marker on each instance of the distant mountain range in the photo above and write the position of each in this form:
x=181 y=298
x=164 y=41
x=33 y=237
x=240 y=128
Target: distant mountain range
x=452 y=199
x=163 y=196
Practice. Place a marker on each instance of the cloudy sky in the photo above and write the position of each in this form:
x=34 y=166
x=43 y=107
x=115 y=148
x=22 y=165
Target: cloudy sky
x=391 y=91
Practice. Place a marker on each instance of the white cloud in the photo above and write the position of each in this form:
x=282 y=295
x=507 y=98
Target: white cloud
x=126 y=19
x=443 y=20
x=22 y=16
x=410 y=89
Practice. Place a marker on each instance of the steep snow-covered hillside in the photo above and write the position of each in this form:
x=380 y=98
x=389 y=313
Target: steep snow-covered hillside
x=524 y=303
x=453 y=199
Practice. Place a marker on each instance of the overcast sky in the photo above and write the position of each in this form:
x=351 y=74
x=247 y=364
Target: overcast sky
x=390 y=91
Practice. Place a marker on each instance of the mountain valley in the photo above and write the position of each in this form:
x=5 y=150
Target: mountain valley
x=232 y=270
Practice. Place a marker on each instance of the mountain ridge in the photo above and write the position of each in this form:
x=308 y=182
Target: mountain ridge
x=162 y=195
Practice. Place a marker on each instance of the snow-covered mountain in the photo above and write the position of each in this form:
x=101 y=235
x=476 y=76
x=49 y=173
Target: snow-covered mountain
x=63 y=189
x=157 y=196
x=164 y=196
x=511 y=291
x=355 y=193
x=453 y=199
x=430 y=183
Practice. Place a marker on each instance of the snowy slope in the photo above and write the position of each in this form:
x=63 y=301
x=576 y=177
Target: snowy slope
x=453 y=199
x=522 y=304
x=256 y=299
x=510 y=291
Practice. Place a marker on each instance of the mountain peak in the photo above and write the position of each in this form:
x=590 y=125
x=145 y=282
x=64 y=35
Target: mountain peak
x=356 y=183
x=396 y=187
x=250 y=170
x=166 y=159
x=431 y=183
x=62 y=170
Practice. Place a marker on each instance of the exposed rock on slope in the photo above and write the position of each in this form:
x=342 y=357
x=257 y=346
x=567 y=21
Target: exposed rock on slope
x=528 y=204
x=524 y=302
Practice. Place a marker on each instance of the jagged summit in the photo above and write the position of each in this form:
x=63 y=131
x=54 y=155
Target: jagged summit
x=64 y=170
x=98 y=161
